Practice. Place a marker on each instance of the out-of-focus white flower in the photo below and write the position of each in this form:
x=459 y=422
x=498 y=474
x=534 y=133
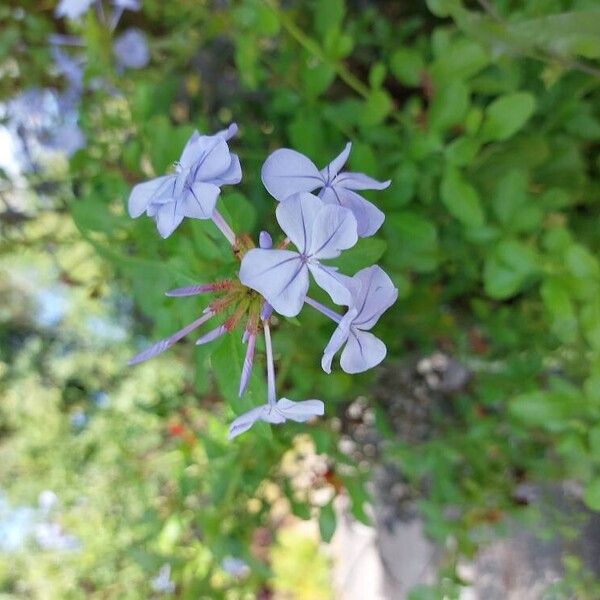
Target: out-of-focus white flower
x=162 y=582
x=47 y=500
x=50 y=536
x=131 y=49
x=235 y=567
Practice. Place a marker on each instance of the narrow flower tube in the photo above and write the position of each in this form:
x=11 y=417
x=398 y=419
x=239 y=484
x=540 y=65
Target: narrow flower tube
x=323 y=309
x=191 y=290
x=248 y=361
x=166 y=343
x=215 y=333
x=223 y=226
x=272 y=398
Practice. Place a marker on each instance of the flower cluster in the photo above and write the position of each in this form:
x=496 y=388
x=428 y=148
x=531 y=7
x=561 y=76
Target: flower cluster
x=46 y=120
x=277 y=278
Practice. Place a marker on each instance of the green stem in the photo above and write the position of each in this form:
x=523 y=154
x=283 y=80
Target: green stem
x=313 y=48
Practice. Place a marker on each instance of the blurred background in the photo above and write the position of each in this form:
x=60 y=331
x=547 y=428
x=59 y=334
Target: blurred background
x=466 y=466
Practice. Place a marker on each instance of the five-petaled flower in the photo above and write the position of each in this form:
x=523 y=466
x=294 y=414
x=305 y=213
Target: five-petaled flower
x=192 y=191
x=319 y=231
x=372 y=294
x=280 y=412
x=287 y=172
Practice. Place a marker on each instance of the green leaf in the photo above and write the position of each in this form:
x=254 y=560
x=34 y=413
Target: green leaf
x=246 y=58
x=507 y=115
x=363 y=159
x=590 y=323
x=574 y=33
x=591 y=494
x=337 y=45
x=376 y=108
x=510 y=196
x=461 y=199
x=569 y=33
x=165 y=142
x=316 y=77
x=327 y=522
x=542 y=409
x=377 y=75
x=306 y=133
x=404 y=180
x=594 y=437
x=241 y=212
x=461 y=60
x=364 y=254
x=267 y=21
x=462 y=151
x=407 y=66
x=508 y=268
x=581 y=262
x=448 y=106
x=329 y=15
x=559 y=305
x=442 y=8
x=91 y=214
x=412 y=242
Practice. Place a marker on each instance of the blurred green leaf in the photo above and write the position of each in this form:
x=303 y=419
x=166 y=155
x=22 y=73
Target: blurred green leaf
x=462 y=151
x=591 y=494
x=461 y=199
x=461 y=60
x=329 y=15
x=559 y=305
x=541 y=409
x=407 y=66
x=376 y=108
x=412 y=241
x=366 y=253
x=449 y=105
x=507 y=115
x=508 y=268
x=327 y=522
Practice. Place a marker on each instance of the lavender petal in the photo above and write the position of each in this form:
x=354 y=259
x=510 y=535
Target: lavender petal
x=211 y=335
x=166 y=343
x=248 y=360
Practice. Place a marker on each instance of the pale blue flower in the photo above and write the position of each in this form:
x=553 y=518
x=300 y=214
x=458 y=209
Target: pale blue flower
x=283 y=410
x=131 y=49
x=275 y=412
x=51 y=537
x=162 y=583
x=42 y=120
x=372 y=294
x=192 y=191
x=319 y=231
x=71 y=69
x=72 y=9
x=127 y=4
x=235 y=567
x=67 y=138
x=119 y=6
x=287 y=172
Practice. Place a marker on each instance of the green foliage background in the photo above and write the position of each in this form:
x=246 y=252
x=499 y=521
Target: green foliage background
x=486 y=116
